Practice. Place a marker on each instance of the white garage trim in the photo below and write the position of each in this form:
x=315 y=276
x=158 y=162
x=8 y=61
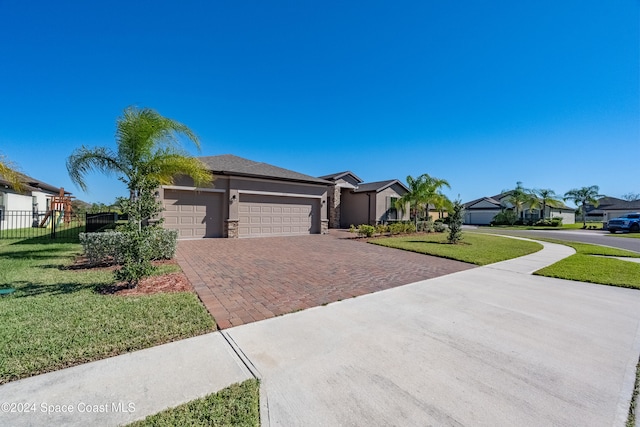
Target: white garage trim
x=184 y=188
x=271 y=193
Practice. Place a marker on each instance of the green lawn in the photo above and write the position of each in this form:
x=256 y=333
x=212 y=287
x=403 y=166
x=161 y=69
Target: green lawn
x=237 y=405
x=55 y=319
x=585 y=267
x=476 y=248
x=576 y=226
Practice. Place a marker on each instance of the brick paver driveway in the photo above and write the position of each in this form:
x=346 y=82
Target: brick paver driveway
x=245 y=280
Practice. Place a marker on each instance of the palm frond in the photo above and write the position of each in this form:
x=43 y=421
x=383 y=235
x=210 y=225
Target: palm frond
x=9 y=172
x=84 y=160
x=166 y=166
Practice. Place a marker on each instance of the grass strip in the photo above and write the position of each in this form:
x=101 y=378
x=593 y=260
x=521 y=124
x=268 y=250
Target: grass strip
x=237 y=405
x=583 y=266
x=55 y=319
x=476 y=248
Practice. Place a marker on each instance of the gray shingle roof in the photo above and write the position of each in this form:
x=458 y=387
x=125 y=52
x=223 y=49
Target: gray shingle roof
x=228 y=164
x=337 y=176
x=497 y=200
x=32 y=184
x=378 y=186
x=613 y=203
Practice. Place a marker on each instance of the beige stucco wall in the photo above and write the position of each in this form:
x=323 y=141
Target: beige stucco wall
x=233 y=188
x=355 y=209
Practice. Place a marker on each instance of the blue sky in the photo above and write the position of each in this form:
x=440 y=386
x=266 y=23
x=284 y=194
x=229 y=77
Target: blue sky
x=483 y=95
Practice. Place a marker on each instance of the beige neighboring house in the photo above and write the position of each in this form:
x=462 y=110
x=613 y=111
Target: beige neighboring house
x=247 y=199
x=482 y=211
x=24 y=209
x=353 y=202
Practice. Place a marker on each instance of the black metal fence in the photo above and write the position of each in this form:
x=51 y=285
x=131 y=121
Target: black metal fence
x=51 y=224
x=98 y=221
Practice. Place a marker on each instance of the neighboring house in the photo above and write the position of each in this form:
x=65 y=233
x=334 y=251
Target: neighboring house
x=611 y=207
x=247 y=199
x=482 y=211
x=353 y=202
x=15 y=207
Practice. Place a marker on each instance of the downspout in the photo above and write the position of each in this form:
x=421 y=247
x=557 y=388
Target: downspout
x=369 y=208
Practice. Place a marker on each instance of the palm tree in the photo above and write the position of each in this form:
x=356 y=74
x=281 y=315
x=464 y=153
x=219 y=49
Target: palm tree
x=8 y=173
x=412 y=198
x=519 y=197
x=432 y=194
x=583 y=196
x=545 y=197
x=149 y=152
x=423 y=190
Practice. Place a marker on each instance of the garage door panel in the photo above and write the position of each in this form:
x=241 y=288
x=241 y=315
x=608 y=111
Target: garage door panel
x=277 y=215
x=193 y=214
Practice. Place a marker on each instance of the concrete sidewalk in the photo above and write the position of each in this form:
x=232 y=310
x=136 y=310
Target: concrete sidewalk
x=124 y=388
x=487 y=346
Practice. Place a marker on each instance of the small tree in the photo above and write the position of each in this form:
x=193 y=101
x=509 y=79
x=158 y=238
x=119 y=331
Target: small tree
x=455 y=223
x=137 y=251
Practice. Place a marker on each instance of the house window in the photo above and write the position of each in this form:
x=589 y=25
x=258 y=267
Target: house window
x=1 y=206
x=392 y=212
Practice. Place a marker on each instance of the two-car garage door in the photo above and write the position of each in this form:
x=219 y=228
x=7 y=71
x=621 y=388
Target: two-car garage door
x=201 y=214
x=262 y=215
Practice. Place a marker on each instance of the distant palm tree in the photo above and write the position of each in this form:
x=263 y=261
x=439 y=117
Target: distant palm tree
x=412 y=198
x=432 y=194
x=519 y=197
x=545 y=197
x=9 y=173
x=149 y=151
x=582 y=197
x=423 y=190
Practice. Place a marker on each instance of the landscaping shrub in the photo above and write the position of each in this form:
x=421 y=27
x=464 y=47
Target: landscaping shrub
x=402 y=227
x=439 y=227
x=396 y=228
x=110 y=247
x=553 y=222
x=505 y=218
x=382 y=229
x=425 y=226
x=365 y=230
x=409 y=227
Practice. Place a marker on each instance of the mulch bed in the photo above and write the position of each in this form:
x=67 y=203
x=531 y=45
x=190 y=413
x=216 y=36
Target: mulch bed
x=171 y=282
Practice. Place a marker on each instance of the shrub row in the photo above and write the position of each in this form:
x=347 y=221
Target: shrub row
x=553 y=222
x=429 y=226
x=108 y=247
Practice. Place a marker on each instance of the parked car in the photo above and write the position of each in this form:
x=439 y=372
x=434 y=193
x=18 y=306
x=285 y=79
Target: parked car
x=629 y=222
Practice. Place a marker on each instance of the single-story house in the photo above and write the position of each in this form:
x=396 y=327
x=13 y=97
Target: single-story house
x=353 y=202
x=247 y=199
x=482 y=211
x=35 y=199
x=255 y=199
x=611 y=207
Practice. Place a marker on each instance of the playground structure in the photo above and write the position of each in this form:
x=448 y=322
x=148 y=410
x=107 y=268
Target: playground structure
x=60 y=210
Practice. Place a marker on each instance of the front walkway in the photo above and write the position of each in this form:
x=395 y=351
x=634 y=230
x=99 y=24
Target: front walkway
x=245 y=280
